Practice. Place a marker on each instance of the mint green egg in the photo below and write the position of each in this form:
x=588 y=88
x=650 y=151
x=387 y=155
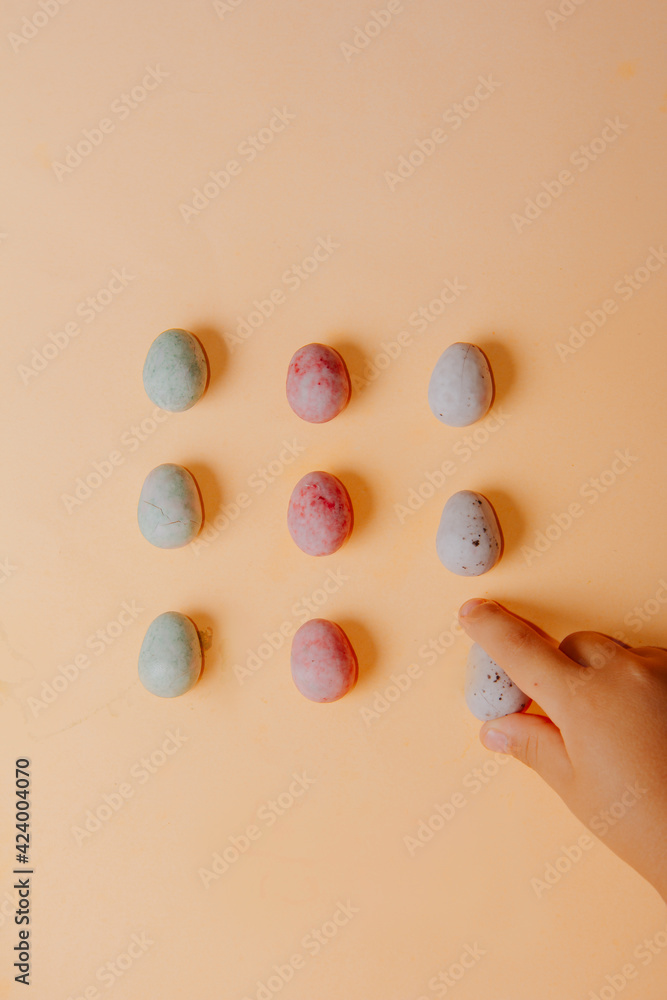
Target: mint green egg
x=170 y=658
x=169 y=512
x=175 y=370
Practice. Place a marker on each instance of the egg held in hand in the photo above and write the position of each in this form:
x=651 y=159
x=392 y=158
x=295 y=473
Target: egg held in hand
x=489 y=692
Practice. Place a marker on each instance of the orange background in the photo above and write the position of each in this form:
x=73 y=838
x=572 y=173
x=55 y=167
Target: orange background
x=70 y=567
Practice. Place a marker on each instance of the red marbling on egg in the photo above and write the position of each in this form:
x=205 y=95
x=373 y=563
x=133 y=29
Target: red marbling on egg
x=318 y=384
x=324 y=666
x=319 y=516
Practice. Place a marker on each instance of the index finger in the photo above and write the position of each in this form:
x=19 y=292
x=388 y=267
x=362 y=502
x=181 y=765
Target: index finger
x=529 y=657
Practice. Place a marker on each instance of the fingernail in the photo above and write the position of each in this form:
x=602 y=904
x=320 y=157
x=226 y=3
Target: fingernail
x=469 y=607
x=494 y=739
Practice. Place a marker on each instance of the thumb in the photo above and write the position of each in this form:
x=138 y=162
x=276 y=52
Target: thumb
x=534 y=740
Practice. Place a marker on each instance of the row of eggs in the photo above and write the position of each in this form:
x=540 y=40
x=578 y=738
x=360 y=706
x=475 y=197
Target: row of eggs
x=323 y=665
x=460 y=389
x=320 y=516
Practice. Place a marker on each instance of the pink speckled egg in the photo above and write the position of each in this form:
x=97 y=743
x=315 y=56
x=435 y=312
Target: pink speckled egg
x=324 y=666
x=318 y=385
x=319 y=516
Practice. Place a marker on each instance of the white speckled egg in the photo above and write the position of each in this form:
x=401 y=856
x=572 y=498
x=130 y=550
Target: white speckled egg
x=175 y=371
x=489 y=692
x=170 y=658
x=469 y=539
x=461 y=386
x=169 y=512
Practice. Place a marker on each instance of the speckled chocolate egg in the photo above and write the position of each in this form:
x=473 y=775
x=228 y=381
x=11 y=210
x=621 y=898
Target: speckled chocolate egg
x=461 y=386
x=469 y=539
x=169 y=512
x=170 y=658
x=323 y=663
x=318 y=384
x=319 y=516
x=489 y=692
x=175 y=370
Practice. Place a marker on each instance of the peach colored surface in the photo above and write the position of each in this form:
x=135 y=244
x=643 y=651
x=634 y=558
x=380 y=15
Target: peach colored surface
x=312 y=222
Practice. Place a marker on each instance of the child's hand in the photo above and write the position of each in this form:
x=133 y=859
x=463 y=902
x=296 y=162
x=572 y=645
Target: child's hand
x=605 y=752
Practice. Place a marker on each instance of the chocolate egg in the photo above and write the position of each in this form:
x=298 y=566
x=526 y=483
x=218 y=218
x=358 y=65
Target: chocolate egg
x=319 y=516
x=318 y=384
x=489 y=692
x=323 y=663
x=169 y=512
x=461 y=386
x=170 y=658
x=175 y=370
x=469 y=540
